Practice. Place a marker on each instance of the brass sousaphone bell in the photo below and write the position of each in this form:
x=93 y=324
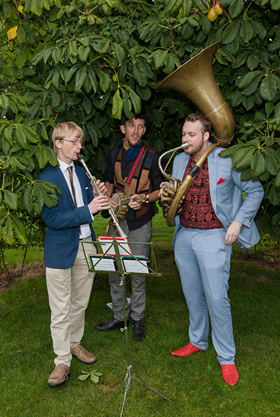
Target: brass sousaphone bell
x=195 y=79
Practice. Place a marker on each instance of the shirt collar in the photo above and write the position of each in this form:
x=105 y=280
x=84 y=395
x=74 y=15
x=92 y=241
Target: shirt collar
x=63 y=166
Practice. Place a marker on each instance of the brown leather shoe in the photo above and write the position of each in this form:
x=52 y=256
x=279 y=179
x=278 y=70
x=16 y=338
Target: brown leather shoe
x=83 y=355
x=59 y=375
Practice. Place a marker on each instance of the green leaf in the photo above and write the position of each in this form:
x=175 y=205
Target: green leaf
x=268 y=88
x=135 y=99
x=19 y=229
x=94 y=379
x=103 y=46
x=120 y=53
x=93 y=80
x=37 y=6
x=246 y=30
x=253 y=60
x=21 y=35
x=4 y=101
x=246 y=161
x=33 y=86
x=20 y=137
x=56 y=78
x=84 y=377
x=231 y=32
x=159 y=57
x=206 y=24
x=277 y=180
x=139 y=75
x=117 y=105
x=275 y=4
x=8 y=231
x=87 y=105
x=259 y=29
x=69 y=74
x=11 y=199
x=80 y=78
x=240 y=59
x=236 y=98
x=252 y=88
x=247 y=79
x=274 y=195
x=8 y=134
x=83 y=53
x=127 y=106
x=105 y=80
x=56 y=98
x=257 y=164
x=271 y=164
x=235 y=8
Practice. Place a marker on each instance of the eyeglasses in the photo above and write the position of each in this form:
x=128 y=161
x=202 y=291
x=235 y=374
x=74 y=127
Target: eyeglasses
x=74 y=142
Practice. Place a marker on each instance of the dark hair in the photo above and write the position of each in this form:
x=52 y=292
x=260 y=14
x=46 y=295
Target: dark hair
x=124 y=119
x=206 y=124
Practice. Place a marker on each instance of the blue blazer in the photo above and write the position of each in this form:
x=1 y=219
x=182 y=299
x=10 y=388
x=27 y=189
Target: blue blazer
x=226 y=197
x=63 y=220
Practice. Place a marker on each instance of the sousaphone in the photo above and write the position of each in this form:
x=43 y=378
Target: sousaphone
x=195 y=79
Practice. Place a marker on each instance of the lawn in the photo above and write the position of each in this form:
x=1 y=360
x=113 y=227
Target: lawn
x=194 y=385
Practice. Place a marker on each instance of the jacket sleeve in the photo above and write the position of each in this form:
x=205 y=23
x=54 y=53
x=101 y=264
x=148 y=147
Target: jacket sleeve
x=57 y=218
x=64 y=215
x=254 y=193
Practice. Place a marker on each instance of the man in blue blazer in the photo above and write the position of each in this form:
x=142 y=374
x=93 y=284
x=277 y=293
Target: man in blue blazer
x=214 y=215
x=69 y=227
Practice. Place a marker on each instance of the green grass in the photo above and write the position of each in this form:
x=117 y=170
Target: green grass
x=193 y=384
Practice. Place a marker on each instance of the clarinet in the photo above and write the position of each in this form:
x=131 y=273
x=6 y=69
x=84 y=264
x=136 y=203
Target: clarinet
x=93 y=182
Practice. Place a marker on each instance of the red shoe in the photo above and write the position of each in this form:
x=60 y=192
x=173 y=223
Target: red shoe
x=186 y=351
x=230 y=374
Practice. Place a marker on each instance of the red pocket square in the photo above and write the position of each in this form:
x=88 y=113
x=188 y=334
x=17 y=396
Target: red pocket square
x=221 y=180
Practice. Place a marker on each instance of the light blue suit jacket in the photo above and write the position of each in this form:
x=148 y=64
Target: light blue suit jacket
x=226 y=197
x=63 y=220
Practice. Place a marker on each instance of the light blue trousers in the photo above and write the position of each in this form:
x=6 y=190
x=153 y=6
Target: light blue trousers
x=203 y=261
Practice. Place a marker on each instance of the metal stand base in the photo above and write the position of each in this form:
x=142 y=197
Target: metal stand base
x=128 y=375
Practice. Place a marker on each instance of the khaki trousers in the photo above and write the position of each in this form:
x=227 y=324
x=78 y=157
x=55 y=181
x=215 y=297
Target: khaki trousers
x=69 y=292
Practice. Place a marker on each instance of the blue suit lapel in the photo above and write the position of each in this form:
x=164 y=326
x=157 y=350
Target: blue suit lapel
x=61 y=182
x=213 y=171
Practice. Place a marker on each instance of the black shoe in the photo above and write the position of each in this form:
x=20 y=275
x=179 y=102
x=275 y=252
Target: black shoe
x=111 y=325
x=139 y=330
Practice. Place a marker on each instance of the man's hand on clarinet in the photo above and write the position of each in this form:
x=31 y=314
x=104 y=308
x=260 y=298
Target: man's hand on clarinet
x=99 y=203
x=101 y=187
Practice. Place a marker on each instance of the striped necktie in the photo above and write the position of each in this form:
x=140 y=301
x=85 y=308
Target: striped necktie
x=70 y=169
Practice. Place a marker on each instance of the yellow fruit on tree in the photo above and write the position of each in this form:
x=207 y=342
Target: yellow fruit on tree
x=218 y=9
x=20 y=8
x=212 y=15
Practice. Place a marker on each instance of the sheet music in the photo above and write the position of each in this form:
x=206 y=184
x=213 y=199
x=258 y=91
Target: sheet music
x=102 y=263
x=132 y=265
x=108 y=247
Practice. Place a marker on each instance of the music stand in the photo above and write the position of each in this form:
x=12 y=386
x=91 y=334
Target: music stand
x=120 y=269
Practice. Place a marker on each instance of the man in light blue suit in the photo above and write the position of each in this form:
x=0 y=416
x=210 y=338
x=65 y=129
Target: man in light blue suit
x=69 y=282
x=214 y=215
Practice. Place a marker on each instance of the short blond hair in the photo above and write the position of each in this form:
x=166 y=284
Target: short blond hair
x=64 y=129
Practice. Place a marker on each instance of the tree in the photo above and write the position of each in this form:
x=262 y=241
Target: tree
x=89 y=61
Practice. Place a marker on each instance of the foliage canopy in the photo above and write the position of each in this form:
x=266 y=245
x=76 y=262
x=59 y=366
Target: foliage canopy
x=90 y=61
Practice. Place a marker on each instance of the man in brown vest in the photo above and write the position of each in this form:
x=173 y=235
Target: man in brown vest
x=132 y=168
